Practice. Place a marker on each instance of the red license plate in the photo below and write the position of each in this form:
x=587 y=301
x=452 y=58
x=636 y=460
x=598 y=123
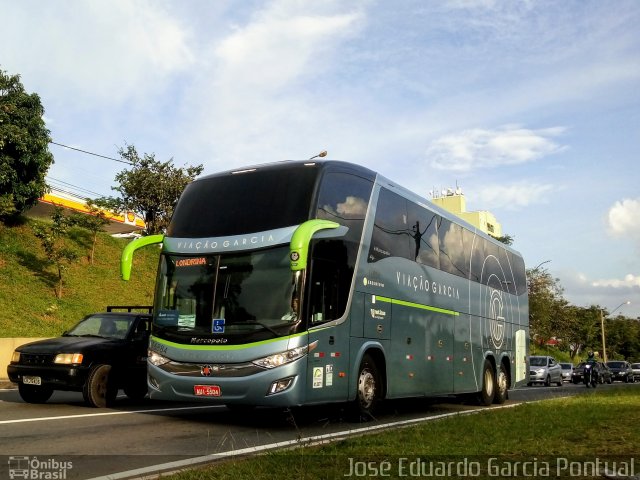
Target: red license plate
x=207 y=390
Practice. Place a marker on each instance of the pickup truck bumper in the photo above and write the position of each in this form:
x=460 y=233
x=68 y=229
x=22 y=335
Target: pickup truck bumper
x=57 y=377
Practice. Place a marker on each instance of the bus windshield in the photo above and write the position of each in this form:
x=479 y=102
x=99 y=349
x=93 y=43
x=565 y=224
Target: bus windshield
x=251 y=294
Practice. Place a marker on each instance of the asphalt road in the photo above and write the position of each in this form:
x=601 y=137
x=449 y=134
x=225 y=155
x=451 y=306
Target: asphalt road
x=64 y=439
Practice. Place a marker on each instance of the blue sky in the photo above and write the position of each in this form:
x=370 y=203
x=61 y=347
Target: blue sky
x=532 y=107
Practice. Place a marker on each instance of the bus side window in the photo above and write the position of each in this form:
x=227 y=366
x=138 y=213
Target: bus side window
x=452 y=257
x=392 y=234
x=324 y=298
x=424 y=235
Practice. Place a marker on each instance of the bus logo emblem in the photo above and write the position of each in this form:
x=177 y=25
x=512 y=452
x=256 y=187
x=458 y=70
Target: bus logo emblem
x=206 y=370
x=497 y=325
x=295 y=256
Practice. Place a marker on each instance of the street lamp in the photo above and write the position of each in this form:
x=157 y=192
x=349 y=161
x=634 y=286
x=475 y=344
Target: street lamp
x=540 y=264
x=321 y=154
x=604 y=348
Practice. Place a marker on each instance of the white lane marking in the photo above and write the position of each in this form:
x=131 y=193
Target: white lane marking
x=174 y=467
x=104 y=414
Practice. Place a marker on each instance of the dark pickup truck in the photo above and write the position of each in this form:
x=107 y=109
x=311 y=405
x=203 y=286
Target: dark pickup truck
x=103 y=353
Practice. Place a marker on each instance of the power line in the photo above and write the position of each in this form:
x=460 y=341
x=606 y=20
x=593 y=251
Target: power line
x=90 y=153
x=62 y=185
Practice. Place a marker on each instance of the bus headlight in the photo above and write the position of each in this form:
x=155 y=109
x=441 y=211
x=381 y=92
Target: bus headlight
x=156 y=359
x=68 y=358
x=282 y=358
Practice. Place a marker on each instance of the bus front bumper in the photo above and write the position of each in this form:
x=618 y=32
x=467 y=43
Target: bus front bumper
x=277 y=387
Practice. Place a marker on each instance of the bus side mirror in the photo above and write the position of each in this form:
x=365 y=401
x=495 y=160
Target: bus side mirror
x=299 y=246
x=126 y=260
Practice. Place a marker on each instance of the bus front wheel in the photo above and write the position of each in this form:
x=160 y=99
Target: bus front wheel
x=485 y=396
x=369 y=388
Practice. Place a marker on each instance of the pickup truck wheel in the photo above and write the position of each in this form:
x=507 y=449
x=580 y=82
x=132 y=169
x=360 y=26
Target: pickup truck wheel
x=99 y=391
x=34 y=394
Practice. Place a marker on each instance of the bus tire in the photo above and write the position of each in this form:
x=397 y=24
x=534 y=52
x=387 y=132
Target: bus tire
x=98 y=391
x=501 y=387
x=486 y=395
x=368 y=390
x=34 y=394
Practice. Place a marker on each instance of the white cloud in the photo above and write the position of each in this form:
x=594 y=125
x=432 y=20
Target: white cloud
x=610 y=293
x=624 y=218
x=628 y=281
x=478 y=148
x=102 y=51
x=257 y=95
x=514 y=196
x=278 y=48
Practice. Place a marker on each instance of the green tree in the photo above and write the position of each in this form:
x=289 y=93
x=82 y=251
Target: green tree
x=506 y=239
x=583 y=329
x=150 y=188
x=24 y=147
x=546 y=305
x=95 y=222
x=53 y=238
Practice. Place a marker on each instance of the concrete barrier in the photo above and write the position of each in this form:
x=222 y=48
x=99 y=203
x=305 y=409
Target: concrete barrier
x=7 y=346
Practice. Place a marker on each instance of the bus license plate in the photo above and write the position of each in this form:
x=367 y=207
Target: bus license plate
x=207 y=390
x=27 y=380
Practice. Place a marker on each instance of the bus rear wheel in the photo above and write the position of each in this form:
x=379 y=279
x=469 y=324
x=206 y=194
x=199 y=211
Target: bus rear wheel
x=501 y=387
x=486 y=395
x=369 y=389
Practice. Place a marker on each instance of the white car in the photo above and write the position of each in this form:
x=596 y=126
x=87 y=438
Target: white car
x=545 y=370
x=635 y=368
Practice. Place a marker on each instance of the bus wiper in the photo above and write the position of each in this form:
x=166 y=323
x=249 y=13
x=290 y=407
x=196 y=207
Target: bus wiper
x=260 y=324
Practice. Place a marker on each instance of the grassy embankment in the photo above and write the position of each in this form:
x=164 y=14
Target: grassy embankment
x=569 y=432
x=28 y=304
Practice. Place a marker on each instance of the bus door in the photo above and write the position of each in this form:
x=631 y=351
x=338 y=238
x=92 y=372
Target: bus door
x=439 y=353
x=328 y=363
x=463 y=372
x=407 y=368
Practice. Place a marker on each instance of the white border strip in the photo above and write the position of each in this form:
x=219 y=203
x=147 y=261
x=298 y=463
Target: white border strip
x=105 y=414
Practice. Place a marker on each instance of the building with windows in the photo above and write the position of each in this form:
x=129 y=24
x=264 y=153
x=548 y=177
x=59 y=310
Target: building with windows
x=454 y=201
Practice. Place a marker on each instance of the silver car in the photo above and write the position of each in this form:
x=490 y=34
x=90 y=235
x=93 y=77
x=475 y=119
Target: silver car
x=635 y=368
x=544 y=369
x=567 y=371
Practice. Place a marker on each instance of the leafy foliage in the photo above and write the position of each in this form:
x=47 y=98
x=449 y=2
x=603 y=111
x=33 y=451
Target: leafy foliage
x=545 y=304
x=150 y=188
x=24 y=151
x=95 y=222
x=53 y=241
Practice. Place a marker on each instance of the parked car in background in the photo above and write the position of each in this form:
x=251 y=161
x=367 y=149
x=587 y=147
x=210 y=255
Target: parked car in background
x=621 y=371
x=635 y=368
x=544 y=369
x=101 y=354
x=567 y=371
x=604 y=374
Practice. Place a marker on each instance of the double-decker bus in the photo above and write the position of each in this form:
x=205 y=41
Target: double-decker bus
x=299 y=283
